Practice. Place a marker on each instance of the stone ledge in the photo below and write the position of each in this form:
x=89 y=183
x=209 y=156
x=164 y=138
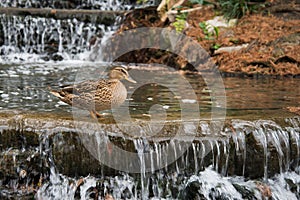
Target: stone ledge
x=103 y=16
x=235 y=151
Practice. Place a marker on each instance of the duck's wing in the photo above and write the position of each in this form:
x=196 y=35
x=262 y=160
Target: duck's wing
x=89 y=86
x=67 y=88
x=73 y=90
x=80 y=88
x=83 y=88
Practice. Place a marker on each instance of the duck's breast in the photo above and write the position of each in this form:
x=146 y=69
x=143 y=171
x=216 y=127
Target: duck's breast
x=119 y=95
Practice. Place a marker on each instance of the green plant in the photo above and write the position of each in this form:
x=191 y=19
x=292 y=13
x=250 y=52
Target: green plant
x=181 y=16
x=180 y=22
x=216 y=46
x=216 y=31
x=179 y=25
x=237 y=8
x=209 y=35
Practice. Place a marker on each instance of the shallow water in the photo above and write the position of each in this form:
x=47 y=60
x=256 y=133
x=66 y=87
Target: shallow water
x=159 y=91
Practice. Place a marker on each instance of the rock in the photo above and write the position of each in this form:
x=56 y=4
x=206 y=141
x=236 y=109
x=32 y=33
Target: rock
x=219 y=21
x=230 y=49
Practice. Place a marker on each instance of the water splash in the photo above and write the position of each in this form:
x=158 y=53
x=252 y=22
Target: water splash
x=210 y=185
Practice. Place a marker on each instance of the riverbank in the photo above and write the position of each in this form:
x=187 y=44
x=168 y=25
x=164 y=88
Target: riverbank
x=264 y=43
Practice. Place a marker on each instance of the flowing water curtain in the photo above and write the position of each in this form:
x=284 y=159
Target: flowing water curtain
x=46 y=37
x=55 y=39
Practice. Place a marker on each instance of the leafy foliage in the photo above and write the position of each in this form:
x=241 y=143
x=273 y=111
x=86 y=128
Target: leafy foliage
x=180 y=22
x=237 y=8
x=208 y=34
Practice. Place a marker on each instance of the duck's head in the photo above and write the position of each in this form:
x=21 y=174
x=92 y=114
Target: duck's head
x=120 y=73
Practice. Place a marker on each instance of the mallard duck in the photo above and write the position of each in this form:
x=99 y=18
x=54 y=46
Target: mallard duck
x=103 y=94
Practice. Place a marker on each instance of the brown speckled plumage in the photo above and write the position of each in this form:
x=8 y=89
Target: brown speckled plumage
x=103 y=94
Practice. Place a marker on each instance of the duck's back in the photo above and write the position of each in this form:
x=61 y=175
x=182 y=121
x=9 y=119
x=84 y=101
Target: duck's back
x=99 y=95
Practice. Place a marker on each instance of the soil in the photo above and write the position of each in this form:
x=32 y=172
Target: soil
x=272 y=35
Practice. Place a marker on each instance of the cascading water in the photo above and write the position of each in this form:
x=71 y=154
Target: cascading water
x=39 y=39
x=33 y=39
x=206 y=170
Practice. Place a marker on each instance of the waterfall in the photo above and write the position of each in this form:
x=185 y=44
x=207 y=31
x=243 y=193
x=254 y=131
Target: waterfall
x=247 y=160
x=27 y=38
x=37 y=39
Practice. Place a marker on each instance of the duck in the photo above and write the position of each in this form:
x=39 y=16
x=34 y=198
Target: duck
x=97 y=95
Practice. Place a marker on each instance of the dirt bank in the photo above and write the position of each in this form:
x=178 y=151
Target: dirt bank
x=271 y=40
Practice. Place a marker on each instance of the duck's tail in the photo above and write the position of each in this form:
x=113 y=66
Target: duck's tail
x=55 y=93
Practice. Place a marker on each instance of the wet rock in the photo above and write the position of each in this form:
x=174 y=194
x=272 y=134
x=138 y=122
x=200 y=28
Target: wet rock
x=245 y=192
x=56 y=57
x=192 y=192
x=294 y=187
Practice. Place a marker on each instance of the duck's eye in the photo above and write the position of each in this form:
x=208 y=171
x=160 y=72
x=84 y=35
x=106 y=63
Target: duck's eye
x=123 y=71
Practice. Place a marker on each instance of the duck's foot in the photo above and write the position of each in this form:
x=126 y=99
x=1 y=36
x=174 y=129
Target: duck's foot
x=95 y=114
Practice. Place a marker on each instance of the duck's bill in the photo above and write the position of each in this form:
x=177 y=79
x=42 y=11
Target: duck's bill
x=130 y=79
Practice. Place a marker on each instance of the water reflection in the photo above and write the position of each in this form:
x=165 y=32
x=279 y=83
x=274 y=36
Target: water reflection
x=261 y=95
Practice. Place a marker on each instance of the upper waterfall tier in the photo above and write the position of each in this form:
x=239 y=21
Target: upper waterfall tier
x=71 y=4
x=42 y=39
x=38 y=31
